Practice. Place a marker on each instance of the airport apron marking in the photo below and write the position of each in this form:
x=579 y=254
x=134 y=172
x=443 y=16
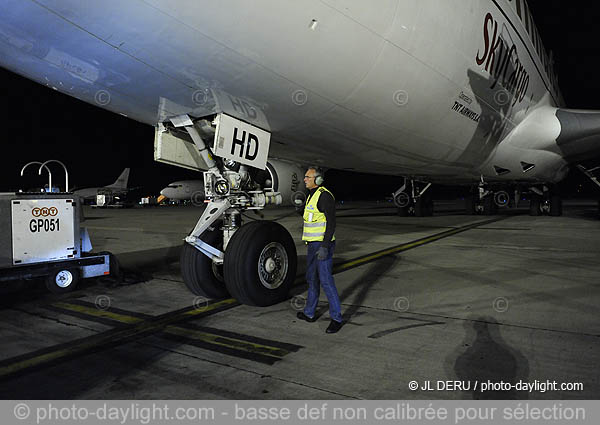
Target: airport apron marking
x=359 y=261
x=134 y=329
x=118 y=336
x=225 y=342
x=130 y=315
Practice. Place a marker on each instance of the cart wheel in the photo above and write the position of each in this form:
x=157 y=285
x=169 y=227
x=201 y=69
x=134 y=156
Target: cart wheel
x=62 y=280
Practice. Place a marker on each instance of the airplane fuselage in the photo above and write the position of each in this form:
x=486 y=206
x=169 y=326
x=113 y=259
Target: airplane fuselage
x=184 y=190
x=90 y=193
x=439 y=90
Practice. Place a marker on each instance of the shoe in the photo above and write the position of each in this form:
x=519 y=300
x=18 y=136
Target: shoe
x=300 y=315
x=334 y=327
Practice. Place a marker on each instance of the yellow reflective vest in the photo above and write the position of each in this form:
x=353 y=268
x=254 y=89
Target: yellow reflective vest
x=315 y=222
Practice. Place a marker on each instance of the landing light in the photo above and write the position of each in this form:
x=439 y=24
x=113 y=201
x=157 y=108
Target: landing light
x=222 y=187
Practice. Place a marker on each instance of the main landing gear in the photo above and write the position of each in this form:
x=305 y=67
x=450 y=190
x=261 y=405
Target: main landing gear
x=413 y=198
x=487 y=199
x=254 y=263
x=594 y=175
x=544 y=201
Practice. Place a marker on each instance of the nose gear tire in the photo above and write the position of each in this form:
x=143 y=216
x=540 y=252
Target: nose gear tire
x=260 y=263
x=201 y=276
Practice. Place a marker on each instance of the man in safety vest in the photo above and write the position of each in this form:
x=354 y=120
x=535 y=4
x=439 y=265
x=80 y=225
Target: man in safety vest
x=318 y=234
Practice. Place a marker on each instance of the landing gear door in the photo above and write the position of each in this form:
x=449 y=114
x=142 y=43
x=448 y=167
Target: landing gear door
x=241 y=142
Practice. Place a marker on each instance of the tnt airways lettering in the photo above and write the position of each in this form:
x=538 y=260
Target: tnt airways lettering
x=463 y=110
x=502 y=61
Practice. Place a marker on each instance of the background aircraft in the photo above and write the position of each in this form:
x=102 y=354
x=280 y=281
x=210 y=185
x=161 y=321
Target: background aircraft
x=183 y=190
x=119 y=187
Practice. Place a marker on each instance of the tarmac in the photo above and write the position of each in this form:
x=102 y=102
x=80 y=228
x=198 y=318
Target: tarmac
x=460 y=306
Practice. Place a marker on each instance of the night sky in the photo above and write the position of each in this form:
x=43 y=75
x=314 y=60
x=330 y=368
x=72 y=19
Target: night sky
x=40 y=123
x=570 y=30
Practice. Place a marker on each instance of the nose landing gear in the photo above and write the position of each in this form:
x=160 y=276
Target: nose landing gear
x=256 y=262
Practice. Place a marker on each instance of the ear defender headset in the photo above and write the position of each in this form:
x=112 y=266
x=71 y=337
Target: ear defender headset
x=319 y=179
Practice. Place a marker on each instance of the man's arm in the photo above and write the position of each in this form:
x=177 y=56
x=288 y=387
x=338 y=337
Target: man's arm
x=326 y=204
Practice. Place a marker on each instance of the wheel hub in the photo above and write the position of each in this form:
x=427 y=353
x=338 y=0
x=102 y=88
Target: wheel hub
x=273 y=265
x=270 y=265
x=63 y=278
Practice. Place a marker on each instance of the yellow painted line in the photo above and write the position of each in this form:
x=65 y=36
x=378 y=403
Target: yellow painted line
x=43 y=358
x=52 y=355
x=388 y=252
x=200 y=310
x=226 y=341
x=97 y=312
x=107 y=338
x=404 y=247
x=209 y=337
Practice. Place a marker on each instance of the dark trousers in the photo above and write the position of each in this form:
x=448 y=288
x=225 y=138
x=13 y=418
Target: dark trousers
x=321 y=271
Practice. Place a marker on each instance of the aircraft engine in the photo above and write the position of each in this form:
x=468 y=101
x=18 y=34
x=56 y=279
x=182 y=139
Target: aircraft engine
x=288 y=179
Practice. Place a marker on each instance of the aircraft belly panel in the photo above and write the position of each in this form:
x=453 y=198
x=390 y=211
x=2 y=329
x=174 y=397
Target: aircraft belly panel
x=393 y=89
x=377 y=19
x=408 y=96
x=276 y=35
x=142 y=90
x=61 y=55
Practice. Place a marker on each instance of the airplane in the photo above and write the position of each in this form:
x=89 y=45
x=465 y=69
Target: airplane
x=250 y=93
x=183 y=190
x=119 y=187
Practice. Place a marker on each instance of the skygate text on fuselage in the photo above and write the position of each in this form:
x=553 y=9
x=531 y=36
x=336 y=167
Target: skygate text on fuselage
x=501 y=61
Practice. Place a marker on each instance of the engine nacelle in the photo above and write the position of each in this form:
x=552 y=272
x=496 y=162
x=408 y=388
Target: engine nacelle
x=287 y=178
x=529 y=152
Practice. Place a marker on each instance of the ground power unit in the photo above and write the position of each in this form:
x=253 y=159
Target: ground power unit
x=41 y=236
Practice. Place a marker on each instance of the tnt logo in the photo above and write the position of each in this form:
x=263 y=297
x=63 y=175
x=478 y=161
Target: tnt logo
x=44 y=212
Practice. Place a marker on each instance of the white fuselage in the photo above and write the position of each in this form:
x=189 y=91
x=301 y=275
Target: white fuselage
x=90 y=193
x=184 y=190
x=427 y=88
